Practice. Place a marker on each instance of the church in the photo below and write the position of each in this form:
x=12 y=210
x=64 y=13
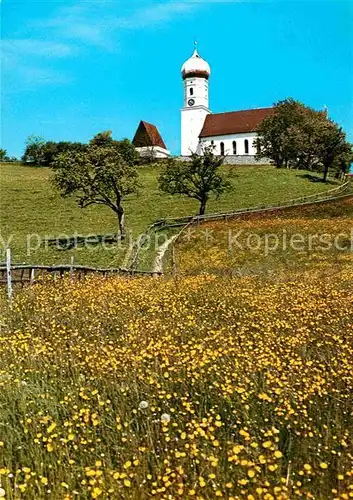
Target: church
x=232 y=133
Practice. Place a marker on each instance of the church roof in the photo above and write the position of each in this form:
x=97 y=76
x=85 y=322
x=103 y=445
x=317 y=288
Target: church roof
x=234 y=122
x=147 y=135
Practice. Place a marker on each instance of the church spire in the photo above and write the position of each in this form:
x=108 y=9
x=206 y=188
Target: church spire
x=195 y=54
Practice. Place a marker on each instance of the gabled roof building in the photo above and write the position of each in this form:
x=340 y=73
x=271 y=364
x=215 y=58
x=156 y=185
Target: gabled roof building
x=148 y=141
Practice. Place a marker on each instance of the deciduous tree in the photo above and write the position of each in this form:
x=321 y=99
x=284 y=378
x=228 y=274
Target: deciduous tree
x=331 y=145
x=199 y=179
x=33 y=153
x=3 y=154
x=98 y=175
x=301 y=137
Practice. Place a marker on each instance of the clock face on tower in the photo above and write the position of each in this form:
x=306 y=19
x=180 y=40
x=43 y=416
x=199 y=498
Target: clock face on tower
x=191 y=102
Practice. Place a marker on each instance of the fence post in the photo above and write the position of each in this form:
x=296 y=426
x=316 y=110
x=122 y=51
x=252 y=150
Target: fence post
x=8 y=274
x=71 y=268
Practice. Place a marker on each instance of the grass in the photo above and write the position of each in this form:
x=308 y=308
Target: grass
x=232 y=379
x=316 y=236
x=28 y=206
x=204 y=387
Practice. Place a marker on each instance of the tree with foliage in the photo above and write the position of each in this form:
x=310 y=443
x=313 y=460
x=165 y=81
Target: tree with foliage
x=51 y=149
x=42 y=153
x=300 y=137
x=98 y=175
x=103 y=139
x=275 y=141
x=3 y=154
x=198 y=179
x=331 y=145
x=34 y=150
x=124 y=147
x=344 y=161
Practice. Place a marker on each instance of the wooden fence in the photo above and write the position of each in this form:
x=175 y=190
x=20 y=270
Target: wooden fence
x=318 y=197
x=22 y=274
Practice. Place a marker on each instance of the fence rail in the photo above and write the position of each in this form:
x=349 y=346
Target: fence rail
x=324 y=196
x=30 y=274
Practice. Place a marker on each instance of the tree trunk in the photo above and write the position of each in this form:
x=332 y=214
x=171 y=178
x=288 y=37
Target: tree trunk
x=202 y=207
x=278 y=162
x=121 y=220
x=326 y=169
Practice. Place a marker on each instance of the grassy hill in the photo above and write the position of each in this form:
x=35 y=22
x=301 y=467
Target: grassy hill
x=284 y=242
x=28 y=206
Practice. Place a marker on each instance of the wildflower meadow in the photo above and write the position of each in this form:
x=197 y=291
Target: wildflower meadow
x=197 y=386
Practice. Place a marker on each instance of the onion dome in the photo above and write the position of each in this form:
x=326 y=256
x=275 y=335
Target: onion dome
x=195 y=67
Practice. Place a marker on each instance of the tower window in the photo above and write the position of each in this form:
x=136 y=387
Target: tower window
x=246 y=146
x=191 y=91
x=222 y=148
x=234 y=147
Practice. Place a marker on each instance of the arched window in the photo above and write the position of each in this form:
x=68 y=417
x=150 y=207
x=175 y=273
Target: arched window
x=222 y=148
x=234 y=147
x=191 y=91
x=246 y=146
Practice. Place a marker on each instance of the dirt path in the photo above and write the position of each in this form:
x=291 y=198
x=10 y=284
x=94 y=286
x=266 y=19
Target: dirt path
x=158 y=261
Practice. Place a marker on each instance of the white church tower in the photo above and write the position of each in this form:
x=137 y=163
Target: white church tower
x=195 y=73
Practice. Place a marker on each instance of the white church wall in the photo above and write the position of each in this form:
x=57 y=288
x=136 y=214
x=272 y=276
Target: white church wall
x=228 y=143
x=196 y=89
x=192 y=120
x=153 y=152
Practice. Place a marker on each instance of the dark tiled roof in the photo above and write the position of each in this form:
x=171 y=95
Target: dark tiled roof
x=147 y=135
x=235 y=122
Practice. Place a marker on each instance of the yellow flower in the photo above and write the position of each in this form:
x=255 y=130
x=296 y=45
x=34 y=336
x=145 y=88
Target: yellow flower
x=323 y=465
x=96 y=492
x=243 y=482
x=202 y=482
x=51 y=428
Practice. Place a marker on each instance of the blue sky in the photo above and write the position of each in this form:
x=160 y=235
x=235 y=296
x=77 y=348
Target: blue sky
x=74 y=68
